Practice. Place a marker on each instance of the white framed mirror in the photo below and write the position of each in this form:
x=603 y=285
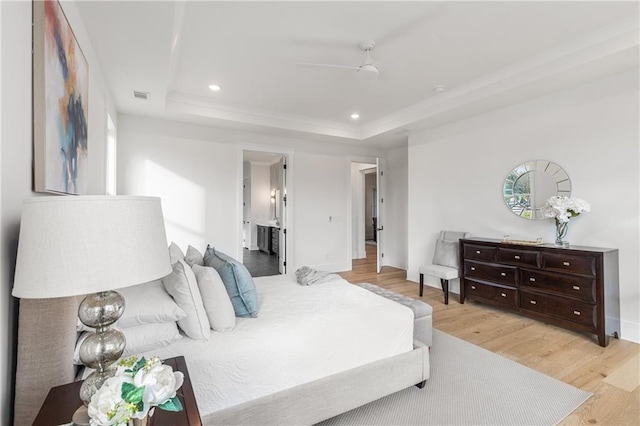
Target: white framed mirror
x=528 y=186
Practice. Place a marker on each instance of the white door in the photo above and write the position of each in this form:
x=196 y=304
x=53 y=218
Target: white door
x=246 y=213
x=380 y=195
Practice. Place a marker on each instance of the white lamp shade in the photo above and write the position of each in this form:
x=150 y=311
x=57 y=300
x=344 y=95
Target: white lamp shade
x=78 y=245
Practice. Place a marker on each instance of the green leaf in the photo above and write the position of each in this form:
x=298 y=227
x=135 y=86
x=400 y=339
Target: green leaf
x=131 y=393
x=141 y=363
x=173 y=404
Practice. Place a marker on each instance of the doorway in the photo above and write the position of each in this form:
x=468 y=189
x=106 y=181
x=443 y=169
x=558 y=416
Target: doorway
x=364 y=213
x=367 y=213
x=264 y=212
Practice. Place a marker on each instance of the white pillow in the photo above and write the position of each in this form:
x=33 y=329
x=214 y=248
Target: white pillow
x=141 y=338
x=148 y=303
x=181 y=284
x=175 y=253
x=149 y=337
x=216 y=300
x=194 y=257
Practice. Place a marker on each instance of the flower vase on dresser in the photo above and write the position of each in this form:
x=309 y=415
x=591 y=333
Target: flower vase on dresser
x=562 y=209
x=561 y=232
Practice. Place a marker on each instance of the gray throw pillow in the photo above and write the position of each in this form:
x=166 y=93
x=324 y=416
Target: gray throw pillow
x=193 y=257
x=237 y=280
x=446 y=253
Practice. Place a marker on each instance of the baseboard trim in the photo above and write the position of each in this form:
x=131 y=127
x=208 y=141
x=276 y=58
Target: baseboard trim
x=396 y=263
x=333 y=267
x=629 y=330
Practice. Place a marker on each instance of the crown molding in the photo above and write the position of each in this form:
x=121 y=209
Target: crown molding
x=606 y=42
x=564 y=63
x=181 y=102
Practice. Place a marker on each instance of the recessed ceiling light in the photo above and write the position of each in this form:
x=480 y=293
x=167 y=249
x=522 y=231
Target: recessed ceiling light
x=439 y=88
x=355 y=116
x=214 y=87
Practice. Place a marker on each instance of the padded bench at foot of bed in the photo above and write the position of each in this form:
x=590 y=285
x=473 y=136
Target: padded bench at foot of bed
x=422 y=312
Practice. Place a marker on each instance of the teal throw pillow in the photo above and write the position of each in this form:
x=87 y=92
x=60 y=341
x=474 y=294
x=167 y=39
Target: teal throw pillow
x=237 y=280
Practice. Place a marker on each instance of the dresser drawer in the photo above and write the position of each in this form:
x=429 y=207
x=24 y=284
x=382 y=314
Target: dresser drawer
x=502 y=274
x=585 y=265
x=500 y=295
x=477 y=252
x=566 y=309
x=519 y=257
x=570 y=285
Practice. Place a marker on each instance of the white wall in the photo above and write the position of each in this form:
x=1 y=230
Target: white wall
x=196 y=180
x=456 y=174
x=321 y=208
x=16 y=157
x=197 y=171
x=16 y=154
x=396 y=230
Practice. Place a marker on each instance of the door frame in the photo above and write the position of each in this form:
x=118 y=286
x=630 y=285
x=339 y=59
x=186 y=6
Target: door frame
x=288 y=245
x=381 y=192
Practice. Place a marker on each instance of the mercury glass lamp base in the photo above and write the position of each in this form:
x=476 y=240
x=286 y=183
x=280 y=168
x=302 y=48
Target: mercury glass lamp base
x=100 y=350
x=93 y=382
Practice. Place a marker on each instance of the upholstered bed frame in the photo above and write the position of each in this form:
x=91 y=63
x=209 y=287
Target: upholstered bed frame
x=47 y=337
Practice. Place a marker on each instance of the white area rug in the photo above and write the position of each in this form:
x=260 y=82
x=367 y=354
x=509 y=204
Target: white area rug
x=471 y=386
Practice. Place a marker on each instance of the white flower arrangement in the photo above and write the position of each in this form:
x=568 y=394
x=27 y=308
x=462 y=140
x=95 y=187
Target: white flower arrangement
x=562 y=209
x=138 y=386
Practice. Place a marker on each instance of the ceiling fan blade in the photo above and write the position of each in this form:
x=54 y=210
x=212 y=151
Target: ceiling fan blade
x=310 y=65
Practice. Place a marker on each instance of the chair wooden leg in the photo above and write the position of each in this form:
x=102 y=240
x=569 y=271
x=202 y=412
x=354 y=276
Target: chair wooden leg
x=445 y=289
x=421 y=284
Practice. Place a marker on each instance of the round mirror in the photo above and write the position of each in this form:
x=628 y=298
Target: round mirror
x=528 y=186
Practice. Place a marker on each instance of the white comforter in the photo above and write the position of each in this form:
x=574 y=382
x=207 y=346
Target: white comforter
x=302 y=333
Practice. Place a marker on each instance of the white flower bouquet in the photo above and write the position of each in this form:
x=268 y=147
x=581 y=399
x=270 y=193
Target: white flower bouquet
x=562 y=209
x=138 y=387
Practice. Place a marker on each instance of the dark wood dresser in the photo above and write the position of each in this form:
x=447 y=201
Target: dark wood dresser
x=573 y=287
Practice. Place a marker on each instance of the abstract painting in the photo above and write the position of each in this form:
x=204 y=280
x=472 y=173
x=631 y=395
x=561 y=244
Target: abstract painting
x=60 y=103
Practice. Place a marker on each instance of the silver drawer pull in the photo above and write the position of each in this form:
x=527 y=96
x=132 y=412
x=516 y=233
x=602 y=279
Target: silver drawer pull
x=566 y=263
x=516 y=257
x=576 y=312
x=473 y=268
x=503 y=274
x=533 y=302
x=503 y=294
x=532 y=279
x=477 y=251
x=473 y=287
x=576 y=287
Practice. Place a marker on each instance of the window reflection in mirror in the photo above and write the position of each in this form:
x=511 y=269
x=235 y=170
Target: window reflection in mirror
x=529 y=185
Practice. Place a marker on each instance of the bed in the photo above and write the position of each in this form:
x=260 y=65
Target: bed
x=333 y=340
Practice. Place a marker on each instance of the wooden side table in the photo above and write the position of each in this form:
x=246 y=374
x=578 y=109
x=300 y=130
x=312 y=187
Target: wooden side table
x=62 y=402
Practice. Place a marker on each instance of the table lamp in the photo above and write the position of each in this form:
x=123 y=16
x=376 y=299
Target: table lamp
x=91 y=245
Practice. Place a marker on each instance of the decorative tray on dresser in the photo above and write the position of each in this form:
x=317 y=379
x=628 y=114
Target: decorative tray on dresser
x=573 y=287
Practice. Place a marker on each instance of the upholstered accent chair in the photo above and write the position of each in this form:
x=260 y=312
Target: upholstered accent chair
x=446 y=261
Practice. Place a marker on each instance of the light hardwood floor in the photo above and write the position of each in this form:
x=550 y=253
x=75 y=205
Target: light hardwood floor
x=574 y=358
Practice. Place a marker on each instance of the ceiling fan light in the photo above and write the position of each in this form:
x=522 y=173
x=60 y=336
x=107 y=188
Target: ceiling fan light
x=368 y=71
